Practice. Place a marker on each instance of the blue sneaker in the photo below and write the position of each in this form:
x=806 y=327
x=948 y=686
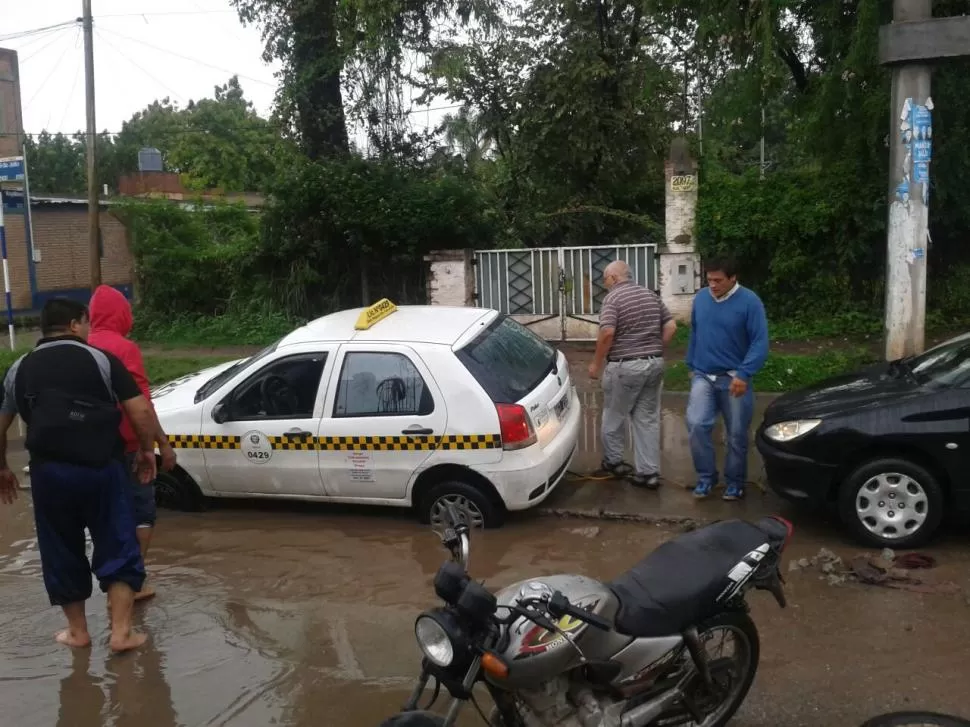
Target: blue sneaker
x=733 y=492
x=703 y=490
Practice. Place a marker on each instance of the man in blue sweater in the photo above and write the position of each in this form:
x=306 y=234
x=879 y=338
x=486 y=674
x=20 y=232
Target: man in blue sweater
x=728 y=346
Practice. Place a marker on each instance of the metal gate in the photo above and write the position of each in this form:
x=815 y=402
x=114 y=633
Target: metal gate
x=540 y=285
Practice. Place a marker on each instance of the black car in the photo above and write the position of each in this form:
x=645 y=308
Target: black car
x=888 y=446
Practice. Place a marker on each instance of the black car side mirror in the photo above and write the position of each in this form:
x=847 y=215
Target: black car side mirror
x=220 y=413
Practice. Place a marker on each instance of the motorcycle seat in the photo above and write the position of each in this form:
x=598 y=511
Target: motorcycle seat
x=679 y=583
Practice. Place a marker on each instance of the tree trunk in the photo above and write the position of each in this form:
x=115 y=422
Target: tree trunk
x=317 y=62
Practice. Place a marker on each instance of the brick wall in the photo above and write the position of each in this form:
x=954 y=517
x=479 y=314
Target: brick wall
x=61 y=236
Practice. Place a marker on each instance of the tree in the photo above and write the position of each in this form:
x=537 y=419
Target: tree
x=215 y=143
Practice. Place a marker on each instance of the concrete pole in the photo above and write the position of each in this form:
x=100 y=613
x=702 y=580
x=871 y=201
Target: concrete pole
x=94 y=225
x=908 y=197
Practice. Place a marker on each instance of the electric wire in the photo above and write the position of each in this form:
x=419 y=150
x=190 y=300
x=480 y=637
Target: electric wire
x=70 y=95
x=148 y=75
x=57 y=65
x=54 y=37
x=187 y=58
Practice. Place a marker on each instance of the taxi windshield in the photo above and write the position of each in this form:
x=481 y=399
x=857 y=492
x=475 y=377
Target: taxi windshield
x=222 y=377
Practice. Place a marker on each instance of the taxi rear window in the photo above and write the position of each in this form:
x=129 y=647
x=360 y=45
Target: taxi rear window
x=508 y=360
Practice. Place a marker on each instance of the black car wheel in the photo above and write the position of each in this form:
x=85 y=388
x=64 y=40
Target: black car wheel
x=177 y=491
x=477 y=506
x=891 y=503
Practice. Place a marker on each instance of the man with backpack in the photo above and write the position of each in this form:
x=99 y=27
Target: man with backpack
x=68 y=394
x=111 y=322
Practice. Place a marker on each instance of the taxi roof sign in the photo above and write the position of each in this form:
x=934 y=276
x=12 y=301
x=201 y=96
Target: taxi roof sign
x=374 y=314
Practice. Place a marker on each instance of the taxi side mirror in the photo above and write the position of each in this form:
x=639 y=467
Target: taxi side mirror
x=220 y=413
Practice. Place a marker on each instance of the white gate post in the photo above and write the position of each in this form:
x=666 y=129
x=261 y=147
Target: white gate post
x=679 y=262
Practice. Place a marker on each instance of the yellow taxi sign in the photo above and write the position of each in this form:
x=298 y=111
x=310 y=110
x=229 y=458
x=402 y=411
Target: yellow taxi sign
x=374 y=314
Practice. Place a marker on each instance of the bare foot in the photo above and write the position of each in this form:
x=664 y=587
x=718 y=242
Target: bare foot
x=126 y=643
x=78 y=640
x=146 y=592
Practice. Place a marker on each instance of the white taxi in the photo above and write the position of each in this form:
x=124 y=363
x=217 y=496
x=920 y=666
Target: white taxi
x=411 y=406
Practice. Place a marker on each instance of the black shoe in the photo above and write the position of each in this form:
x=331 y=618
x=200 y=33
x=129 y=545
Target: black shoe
x=649 y=482
x=620 y=469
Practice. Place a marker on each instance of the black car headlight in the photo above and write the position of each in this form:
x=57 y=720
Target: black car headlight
x=787 y=431
x=438 y=636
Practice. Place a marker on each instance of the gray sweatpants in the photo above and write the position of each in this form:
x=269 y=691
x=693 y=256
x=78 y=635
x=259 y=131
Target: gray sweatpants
x=631 y=392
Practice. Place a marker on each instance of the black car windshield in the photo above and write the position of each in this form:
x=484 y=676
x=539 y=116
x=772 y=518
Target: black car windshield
x=223 y=376
x=945 y=365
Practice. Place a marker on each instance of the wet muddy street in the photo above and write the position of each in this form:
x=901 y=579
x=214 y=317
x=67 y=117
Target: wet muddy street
x=301 y=616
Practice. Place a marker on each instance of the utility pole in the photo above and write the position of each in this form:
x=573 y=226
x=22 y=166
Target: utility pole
x=94 y=226
x=908 y=197
x=909 y=45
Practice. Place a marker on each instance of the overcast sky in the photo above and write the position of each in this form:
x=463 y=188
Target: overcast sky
x=143 y=50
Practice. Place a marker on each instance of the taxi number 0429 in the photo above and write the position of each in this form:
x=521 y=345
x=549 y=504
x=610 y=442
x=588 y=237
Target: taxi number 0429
x=258 y=455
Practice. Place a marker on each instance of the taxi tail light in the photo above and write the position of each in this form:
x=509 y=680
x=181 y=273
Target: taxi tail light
x=515 y=426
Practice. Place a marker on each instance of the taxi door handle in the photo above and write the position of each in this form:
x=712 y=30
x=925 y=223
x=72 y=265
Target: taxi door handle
x=296 y=433
x=418 y=430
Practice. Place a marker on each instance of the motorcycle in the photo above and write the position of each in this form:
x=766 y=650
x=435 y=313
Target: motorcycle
x=570 y=651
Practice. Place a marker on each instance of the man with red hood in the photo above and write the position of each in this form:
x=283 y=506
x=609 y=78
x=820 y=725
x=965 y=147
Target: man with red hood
x=111 y=322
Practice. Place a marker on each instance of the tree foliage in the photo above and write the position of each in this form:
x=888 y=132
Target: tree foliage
x=214 y=143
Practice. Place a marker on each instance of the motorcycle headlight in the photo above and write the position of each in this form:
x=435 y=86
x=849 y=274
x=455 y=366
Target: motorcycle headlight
x=787 y=431
x=434 y=641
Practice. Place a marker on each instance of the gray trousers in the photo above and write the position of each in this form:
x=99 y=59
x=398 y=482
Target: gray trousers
x=631 y=393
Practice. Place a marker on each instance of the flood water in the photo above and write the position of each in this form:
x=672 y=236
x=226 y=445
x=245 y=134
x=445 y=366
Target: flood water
x=302 y=616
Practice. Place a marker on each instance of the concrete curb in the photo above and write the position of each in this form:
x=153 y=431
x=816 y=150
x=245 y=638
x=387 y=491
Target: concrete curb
x=682 y=521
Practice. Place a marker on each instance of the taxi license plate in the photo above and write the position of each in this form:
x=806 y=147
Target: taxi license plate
x=562 y=406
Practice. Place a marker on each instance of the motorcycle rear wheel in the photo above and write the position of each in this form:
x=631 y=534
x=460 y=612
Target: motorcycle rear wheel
x=916 y=719
x=742 y=626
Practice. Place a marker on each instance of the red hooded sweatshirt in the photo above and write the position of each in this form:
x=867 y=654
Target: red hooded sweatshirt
x=111 y=322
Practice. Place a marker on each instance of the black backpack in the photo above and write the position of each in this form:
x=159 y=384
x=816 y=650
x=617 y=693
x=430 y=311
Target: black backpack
x=70 y=428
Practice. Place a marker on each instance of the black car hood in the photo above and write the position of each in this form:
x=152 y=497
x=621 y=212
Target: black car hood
x=869 y=388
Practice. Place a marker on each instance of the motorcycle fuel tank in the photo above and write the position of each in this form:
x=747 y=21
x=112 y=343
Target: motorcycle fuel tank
x=535 y=655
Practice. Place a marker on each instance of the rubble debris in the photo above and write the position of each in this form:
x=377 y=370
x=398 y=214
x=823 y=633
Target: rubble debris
x=590 y=532
x=887 y=570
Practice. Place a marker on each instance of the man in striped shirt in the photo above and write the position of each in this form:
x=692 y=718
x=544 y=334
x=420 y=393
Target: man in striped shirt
x=635 y=325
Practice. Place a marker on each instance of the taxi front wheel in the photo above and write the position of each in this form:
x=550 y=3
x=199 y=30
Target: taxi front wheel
x=480 y=509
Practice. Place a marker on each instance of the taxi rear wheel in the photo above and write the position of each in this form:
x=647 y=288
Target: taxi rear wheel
x=175 y=490
x=482 y=512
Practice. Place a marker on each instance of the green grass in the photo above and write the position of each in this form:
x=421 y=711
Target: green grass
x=786 y=372
x=246 y=328
x=161 y=369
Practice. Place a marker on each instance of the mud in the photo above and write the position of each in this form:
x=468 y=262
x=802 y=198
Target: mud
x=299 y=616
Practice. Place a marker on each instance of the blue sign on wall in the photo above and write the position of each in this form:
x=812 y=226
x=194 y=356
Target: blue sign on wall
x=921 y=172
x=12 y=201
x=12 y=169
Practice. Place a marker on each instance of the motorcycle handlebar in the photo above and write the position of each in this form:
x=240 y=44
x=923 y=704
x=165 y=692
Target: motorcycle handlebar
x=560 y=606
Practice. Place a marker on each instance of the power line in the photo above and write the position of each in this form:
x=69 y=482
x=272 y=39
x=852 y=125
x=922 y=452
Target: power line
x=70 y=95
x=54 y=36
x=187 y=58
x=54 y=70
x=165 y=13
x=184 y=132
x=34 y=31
x=113 y=47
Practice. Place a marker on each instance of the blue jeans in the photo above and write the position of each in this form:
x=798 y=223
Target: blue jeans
x=707 y=399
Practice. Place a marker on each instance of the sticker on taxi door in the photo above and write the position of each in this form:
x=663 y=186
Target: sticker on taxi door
x=257 y=447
